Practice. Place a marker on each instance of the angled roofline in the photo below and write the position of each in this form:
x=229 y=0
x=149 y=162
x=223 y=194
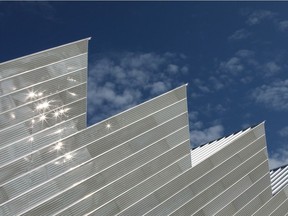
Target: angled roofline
x=36 y=53
x=279 y=167
x=253 y=126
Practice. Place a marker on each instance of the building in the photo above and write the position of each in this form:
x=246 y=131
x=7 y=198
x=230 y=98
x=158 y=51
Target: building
x=138 y=162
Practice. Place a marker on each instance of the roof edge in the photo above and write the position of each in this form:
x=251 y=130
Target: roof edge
x=35 y=53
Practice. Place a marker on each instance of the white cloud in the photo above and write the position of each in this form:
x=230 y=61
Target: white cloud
x=233 y=66
x=193 y=115
x=284 y=132
x=239 y=34
x=201 y=85
x=271 y=68
x=258 y=16
x=172 y=68
x=125 y=79
x=202 y=136
x=159 y=87
x=283 y=25
x=245 y=53
x=274 y=96
x=279 y=158
x=216 y=83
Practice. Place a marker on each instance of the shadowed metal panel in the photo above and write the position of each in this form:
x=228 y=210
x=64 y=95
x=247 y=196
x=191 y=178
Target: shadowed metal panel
x=197 y=183
x=282 y=209
x=255 y=203
x=272 y=204
x=233 y=198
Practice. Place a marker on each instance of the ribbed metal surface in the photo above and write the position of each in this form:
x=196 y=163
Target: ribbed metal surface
x=279 y=178
x=42 y=101
x=137 y=162
x=65 y=166
x=199 y=182
x=42 y=59
x=202 y=152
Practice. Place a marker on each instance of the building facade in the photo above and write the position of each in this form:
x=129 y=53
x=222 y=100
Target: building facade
x=138 y=162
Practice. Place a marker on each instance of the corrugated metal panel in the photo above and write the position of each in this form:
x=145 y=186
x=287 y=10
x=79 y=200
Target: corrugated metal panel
x=143 y=145
x=137 y=162
x=202 y=152
x=198 y=178
x=279 y=178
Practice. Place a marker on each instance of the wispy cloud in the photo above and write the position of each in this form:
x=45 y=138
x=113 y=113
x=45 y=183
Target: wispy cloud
x=243 y=53
x=274 y=96
x=271 y=68
x=201 y=85
x=284 y=132
x=217 y=84
x=239 y=34
x=283 y=25
x=279 y=158
x=125 y=79
x=199 y=137
x=233 y=66
x=256 y=17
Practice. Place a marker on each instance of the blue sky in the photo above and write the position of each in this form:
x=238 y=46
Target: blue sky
x=233 y=55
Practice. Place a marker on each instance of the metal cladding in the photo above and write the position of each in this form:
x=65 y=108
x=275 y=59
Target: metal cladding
x=137 y=162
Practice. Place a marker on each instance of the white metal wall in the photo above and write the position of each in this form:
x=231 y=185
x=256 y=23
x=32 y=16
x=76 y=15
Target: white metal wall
x=137 y=162
x=42 y=101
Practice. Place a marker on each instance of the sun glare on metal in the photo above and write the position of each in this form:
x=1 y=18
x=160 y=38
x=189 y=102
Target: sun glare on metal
x=59 y=131
x=68 y=157
x=13 y=116
x=71 y=79
x=59 y=146
x=43 y=106
x=43 y=118
x=108 y=126
x=32 y=95
x=73 y=94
